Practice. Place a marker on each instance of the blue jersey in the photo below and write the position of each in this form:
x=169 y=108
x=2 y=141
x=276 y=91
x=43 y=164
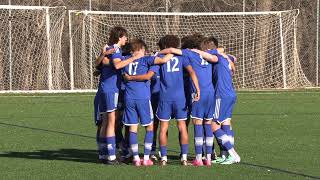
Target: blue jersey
x=139 y=89
x=110 y=77
x=222 y=76
x=203 y=70
x=171 y=79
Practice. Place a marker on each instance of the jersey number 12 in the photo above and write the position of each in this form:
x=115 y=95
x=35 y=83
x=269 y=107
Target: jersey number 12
x=174 y=67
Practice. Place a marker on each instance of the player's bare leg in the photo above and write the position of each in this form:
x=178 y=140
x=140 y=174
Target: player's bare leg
x=184 y=141
x=163 y=138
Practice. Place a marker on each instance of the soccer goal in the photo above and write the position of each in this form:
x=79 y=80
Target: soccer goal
x=30 y=51
x=263 y=42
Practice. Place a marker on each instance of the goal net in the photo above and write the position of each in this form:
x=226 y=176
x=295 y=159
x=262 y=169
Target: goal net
x=30 y=51
x=263 y=42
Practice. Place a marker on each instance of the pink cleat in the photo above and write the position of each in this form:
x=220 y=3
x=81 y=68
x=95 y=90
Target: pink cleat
x=137 y=163
x=197 y=162
x=206 y=162
x=147 y=162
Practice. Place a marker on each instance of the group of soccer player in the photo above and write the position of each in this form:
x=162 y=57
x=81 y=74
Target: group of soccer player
x=182 y=83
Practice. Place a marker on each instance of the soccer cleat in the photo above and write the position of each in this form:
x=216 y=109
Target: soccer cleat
x=112 y=162
x=184 y=163
x=147 y=162
x=214 y=156
x=206 y=162
x=136 y=163
x=219 y=160
x=163 y=163
x=197 y=162
x=231 y=160
x=153 y=157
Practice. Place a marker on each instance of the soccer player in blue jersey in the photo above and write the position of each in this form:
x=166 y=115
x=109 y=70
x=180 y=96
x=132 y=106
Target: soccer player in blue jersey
x=202 y=110
x=109 y=86
x=98 y=114
x=172 y=103
x=137 y=101
x=225 y=99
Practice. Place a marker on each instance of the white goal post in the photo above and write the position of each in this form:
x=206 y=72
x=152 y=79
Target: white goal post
x=30 y=51
x=263 y=42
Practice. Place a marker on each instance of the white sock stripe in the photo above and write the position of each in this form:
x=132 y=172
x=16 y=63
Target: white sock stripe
x=148 y=145
x=198 y=141
x=109 y=146
x=134 y=147
x=224 y=139
x=209 y=141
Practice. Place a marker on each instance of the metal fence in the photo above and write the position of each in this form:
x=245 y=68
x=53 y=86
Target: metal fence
x=308 y=21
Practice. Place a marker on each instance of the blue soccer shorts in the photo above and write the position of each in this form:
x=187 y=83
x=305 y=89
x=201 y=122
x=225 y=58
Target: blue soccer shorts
x=109 y=101
x=136 y=110
x=97 y=109
x=172 y=109
x=224 y=108
x=204 y=108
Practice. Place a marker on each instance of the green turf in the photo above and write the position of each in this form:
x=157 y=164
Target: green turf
x=52 y=137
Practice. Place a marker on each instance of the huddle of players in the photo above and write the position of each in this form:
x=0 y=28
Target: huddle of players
x=194 y=81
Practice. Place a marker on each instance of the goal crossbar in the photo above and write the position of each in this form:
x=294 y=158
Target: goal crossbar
x=86 y=12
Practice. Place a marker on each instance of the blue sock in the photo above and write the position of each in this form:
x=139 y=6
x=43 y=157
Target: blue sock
x=184 y=151
x=223 y=138
x=229 y=132
x=148 y=138
x=111 y=144
x=198 y=140
x=163 y=151
x=209 y=138
x=133 y=142
x=103 y=151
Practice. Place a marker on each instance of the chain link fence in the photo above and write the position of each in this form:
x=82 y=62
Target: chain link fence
x=308 y=21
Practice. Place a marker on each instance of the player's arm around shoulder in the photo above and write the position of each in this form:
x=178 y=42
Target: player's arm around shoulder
x=207 y=56
x=142 y=77
x=118 y=63
x=102 y=58
x=165 y=59
x=171 y=51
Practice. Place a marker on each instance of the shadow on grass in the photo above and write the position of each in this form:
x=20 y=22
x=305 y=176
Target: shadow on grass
x=279 y=170
x=74 y=155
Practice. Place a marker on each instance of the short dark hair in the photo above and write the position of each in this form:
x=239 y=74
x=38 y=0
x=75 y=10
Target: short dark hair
x=137 y=44
x=214 y=40
x=161 y=43
x=171 y=41
x=116 y=33
x=126 y=49
x=190 y=42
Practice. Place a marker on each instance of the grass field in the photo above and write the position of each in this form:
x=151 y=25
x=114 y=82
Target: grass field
x=53 y=137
